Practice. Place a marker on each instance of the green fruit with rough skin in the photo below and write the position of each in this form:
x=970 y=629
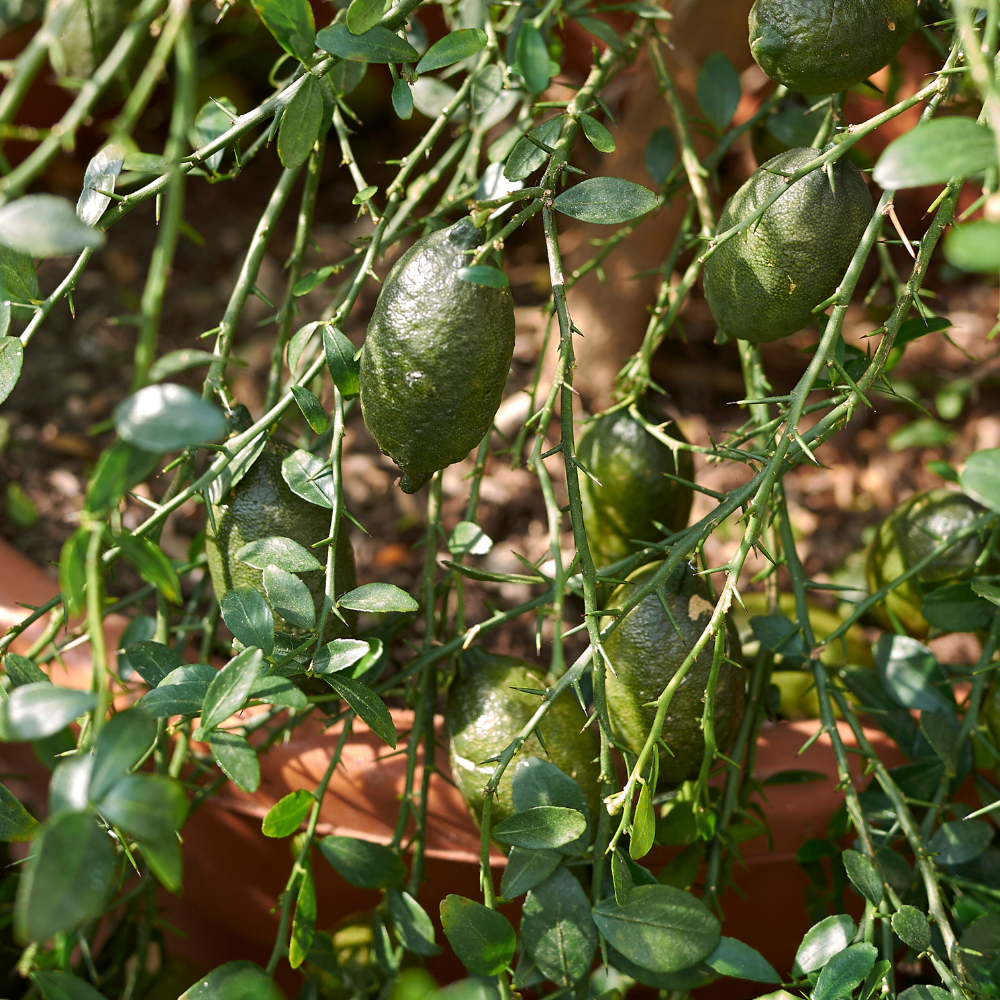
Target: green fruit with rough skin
x=486 y=711
x=90 y=32
x=646 y=651
x=631 y=493
x=825 y=46
x=261 y=505
x=763 y=283
x=436 y=357
x=905 y=537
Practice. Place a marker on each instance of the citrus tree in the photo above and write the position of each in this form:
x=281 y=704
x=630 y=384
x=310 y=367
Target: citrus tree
x=576 y=766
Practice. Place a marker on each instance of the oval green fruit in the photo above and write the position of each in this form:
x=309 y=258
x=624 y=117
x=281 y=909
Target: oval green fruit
x=646 y=650
x=436 y=357
x=486 y=710
x=763 y=283
x=261 y=505
x=629 y=464
x=905 y=537
x=825 y=46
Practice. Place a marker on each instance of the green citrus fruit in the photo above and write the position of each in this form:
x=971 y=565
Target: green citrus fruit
x=824 y=46
x=486 y=711
x=90 y=32
x=911 y=531
x=436 y=357
x=633 y=494
x=261 y=505
x=647 y=648
x=763 y=283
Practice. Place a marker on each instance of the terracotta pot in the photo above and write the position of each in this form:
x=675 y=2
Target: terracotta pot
x=233 y=875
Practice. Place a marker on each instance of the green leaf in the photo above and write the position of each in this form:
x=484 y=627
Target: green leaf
x=525 y=158
x=346 y=75
x=431 y=97
x=168 y=417
x=145 y=805
x=276 y=690
x=542 y=828
x=740 y=961
x=558 y=930
x=179 y=361
x=485 y=275
x=794 y=777
x=304 y=921
x=525 y=869
x=165 y=860
x=290 y=597
x=452 y=48
x=597 y=135
x=11 y=360
x=402 y=99
x=236 y=759
x=539 y=782
x=339 y=654
x=237 y=469
x=974 y=246
x=35 y=711
x=119 y=468
x=468 y=539
x=363 y=15
x=18 y=280
x=44 y=225
x=643 y=825
x=152 y=661
x=980 y=478
x=68 y=877
x=533 y=58
x=483 y=939
x=152 y=563
x=120 y=745
x=924 y=433
x=660 y=155
x=368 y=706
x=956 y=607
x=378 y=597
x=912 y=928
x=987 y=590
x=377 y=45
x=304 y=286
x=234 y=981
x=309 y=477
x=181 y=692
x=486 y=88
x=231 y=687
x=292 y=24
x=660 y=928
x=600 y=29
x=23 y=671
x=363 y=863
x=73 y=569
x=16 y=823
x=606 y=200
x=935 y=152
x=365 y=194
x=872 y=986
x=621 y=877
x=285 y=553
x=961 y=841
x=300 y=124
x=70 y=783
x=718 y=90
x=411 y=923
x=845 y=972
x=344 y=370
x=98 y=181
x=821 y=942
x=925 y=993
x=248 y=617
x=211 y=122
x=63 y=986
x=911 y=674
x=864 y=876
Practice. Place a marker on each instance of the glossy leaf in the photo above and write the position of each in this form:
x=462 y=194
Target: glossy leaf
x=304 y=921
x=69 y=787
x=309 y=477
x=363 y=15
x=20 y=670
x=377 y=45
x=934 y=152
x=179 y=361
x=432 y=97
x=525 y=869
x=526 y=157
x=402 y=99
x=606 y=200
x=718 y=90
x=378 y=597
x=539 y=782
x=961 y=841
x=181 y=692
x=18 y=280
x=597 y=135
x=558 y=930
x=643 y=825
x=287 y=814
x=300 y=124
x=922 y=992
x=63 y=986
x=821 y=942
x=541 y=828
x=845 y=972
x=483 y=939
x=311 y=409
x=911 y=928
x=211 y=122
x=98 y=183
x=956 y=607
x=988 y=591
x=34 y=711
x=794 y=776
x=45 y=225
x=468 y=538
x=339 y=654
x=660 y=155
x=486 y=88
x=368 y=705
x=152 y=564
x=234 y=981
x=16 y=823
x=363 y=863
x=740 y=961
x=236 y=759
x=939 y=729
x=911 y=674
x=291 y=23
x=346 y=75
x=411 y=923
x=974 y=246
x=73 y=570
x=145 y=805
x=980 y=478
x=452 y=48
x=660 y=928
x=68 y=877
x=237 y=468
x=285 y=553
x=533 y=58
x=864 y=876
x=231 y=687
x=289 y=597
x=11 y=361
x=163 y=853
x=273 y=689
x=248 y=617
x=600 y=29
x=344 y=370
x=485 y=275
x=119 y=468
x=621 y=877
x=121 y=743
x=167 y=417
x=152 y=661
